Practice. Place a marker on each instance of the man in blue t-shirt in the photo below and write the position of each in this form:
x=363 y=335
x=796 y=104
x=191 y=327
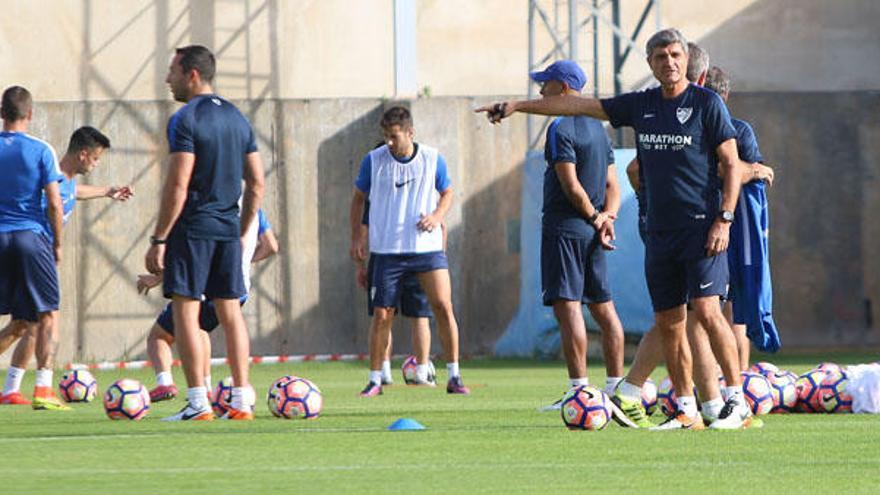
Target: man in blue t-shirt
x=581 y=201
x=686 y=141
x=29 y=254
x=212 y=148
x=83 y=154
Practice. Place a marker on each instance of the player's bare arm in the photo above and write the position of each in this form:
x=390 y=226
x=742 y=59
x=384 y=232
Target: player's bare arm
x=719 y=234
x=254 y=185
x=358 y=250
x=116 y=193
x=567 y=174
x=612 y=208
x=565 y=104
x=435 y=220
x=632 y=173
x=267 y=246
x=173 y=198
x=54 y=212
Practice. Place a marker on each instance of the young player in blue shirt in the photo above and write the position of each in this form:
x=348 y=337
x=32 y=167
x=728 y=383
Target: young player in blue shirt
x=212 y=148
x=685 y=140
x=83 y=154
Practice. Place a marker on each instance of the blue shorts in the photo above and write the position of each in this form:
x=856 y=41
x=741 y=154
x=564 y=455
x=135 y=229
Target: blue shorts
x=390 y=270
x=413 y=302
x=207 y=317
x=28 y=275
x=573 y=269
x=196 y=267
x=677 y=268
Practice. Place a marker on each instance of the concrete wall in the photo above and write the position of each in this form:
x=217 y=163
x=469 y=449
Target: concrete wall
x=305 y=300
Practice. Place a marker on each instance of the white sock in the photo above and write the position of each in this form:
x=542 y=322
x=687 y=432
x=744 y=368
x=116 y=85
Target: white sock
x=164 y=379
x=688 y=405
x=611 y=384
x=736 y=394
x=422 y=372
x=376 y=377
x=198 y=398
x=712 y=408
x=13 y=380
x=577 y=382
x=243 y=398
x=452 y=370
x=386 y=370
x=630 y=392
x=208 y=383
x=44 y=378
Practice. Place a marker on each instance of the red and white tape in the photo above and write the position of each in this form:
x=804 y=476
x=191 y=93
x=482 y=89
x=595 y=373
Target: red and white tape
x=301 y=358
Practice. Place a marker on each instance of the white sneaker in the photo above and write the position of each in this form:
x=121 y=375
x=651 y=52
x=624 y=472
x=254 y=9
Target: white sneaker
x=681 y=421
x=733 y=416
x=189 y=413
x=556 y=406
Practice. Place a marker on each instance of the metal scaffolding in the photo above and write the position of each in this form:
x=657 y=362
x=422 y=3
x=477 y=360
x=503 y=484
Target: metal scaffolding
x=575 y=24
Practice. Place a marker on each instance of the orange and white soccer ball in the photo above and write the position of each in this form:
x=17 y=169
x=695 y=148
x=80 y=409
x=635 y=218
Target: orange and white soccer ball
x=78 y=386
x=127 y=399
x=274 y=389
x=299 y=398
x=586 y=408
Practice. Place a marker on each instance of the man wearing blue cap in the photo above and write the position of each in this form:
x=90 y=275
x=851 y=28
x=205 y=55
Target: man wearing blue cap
x=581 y=201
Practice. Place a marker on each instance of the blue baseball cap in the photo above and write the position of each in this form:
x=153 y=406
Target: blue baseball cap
x=567 y=71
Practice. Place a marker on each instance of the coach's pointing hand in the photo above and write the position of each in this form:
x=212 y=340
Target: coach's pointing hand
x=497 y=111
x=155 y=259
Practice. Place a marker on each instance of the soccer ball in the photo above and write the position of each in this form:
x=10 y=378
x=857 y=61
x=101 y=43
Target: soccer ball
x=649 y=396
x=410 y=364
x=299 y=398
x=763 y=368
x=807 y=386
x=666 y=397
x=221 y=397
x=126 y=399
x=782 y=385
x=273 y=393
x=758 y=393
x=829 y=366
x=832 y=396
x=78 y=386
x=586 y=408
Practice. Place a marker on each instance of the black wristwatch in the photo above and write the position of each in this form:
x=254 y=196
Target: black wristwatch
x=155 y=241
x=726 y=216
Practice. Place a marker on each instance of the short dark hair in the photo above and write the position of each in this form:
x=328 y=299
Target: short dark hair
x=396 y=116
x=17 y=102
x=199 y=58
x=87 y=138
x=718 y=81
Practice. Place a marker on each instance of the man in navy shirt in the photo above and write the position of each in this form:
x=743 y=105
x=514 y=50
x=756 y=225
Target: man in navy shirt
x=29 y=253
x=581 y=201
x=685 y=140
x=212 y=149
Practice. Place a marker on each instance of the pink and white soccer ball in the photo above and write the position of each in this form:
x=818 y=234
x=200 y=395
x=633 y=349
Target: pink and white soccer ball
x=763 y=368
x=832 y=396
x=274 y=389
x=649 y=396
x=782 y=386
x=127 y=399
x=78 y=386
x=586 y=408
x=221 y=397
x=758 y=393
x=299 y=398
x=807 y=386
x=409 y=370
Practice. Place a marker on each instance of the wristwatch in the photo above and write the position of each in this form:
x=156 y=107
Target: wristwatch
x=593 y=218
x=725 y=216
x=155 y=241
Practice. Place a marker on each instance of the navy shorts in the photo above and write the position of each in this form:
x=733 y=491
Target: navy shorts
x=208 y=320
x=28 y=275
x=677 y=268
x=196 y=267
x=413 y=302
x=390 y=270
x=573 y=269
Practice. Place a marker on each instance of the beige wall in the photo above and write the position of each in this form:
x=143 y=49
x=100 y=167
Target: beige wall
x=98 y=50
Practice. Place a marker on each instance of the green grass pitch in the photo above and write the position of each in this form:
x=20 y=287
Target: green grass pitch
x=493 y=441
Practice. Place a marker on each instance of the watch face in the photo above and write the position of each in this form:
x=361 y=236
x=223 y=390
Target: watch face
x=727 y=216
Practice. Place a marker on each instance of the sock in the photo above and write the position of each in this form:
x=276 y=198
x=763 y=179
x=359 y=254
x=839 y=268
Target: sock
x=736 y=394
x=13 y=380
x=386 y=370
x=376 y=377
x=452 y=369
x=712 y=408
x=164 y=379
x=629 y=391
x=243 y=398
x=611 y=384
x=688 y=405
x=208 y=383
x=422 y=372
x=198 y=398
x=576 y=382
x=44 y=378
